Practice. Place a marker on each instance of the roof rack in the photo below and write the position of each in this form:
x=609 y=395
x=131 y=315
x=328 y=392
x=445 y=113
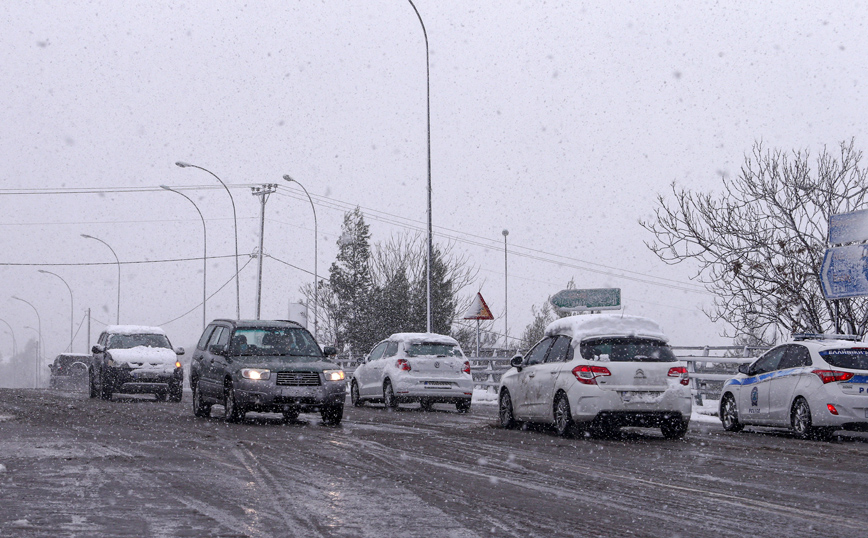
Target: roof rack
x=816 y=336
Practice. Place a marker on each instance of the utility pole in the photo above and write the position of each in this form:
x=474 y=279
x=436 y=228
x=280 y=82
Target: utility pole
x=262 y=191
x=88 y=332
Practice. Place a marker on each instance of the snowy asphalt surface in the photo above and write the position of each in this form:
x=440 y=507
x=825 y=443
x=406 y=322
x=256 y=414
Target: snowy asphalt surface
x=71 y=466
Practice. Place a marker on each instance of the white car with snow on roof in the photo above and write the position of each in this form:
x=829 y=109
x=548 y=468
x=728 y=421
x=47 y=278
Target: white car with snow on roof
x=135 y=359
x=597 y=373
x=814 y=385
x=414 y=367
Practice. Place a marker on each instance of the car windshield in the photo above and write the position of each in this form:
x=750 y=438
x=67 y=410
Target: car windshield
x=626 y=350
x=433 y=349
x=274 y=342
x=853 y=358
x=129 y=341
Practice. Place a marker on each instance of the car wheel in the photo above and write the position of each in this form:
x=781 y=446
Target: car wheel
x=355 y=397
x=463 y=406
x=729 y=414
x=674 y=428
x=426 y=405
x=105 y=387
x=332 y=414
x=176 y=392
x=507 y=418
x=200 y=408
x=91 y=384
x=232 y=413
x=389 y=396
x=290 y=415
x=800 y=418
x=563 y=416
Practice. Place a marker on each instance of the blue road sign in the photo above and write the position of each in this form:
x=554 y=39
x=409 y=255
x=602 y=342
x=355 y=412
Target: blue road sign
x=848 y=227
x=845 y=272
x=573 y=300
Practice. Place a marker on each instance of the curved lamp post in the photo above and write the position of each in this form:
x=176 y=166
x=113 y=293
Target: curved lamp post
x=428 y=103
x=39 y=340
x=71 y=306
x=315 y=251
x=182 y=164
x=118 y=318
x=204 y=253
x=11 y=332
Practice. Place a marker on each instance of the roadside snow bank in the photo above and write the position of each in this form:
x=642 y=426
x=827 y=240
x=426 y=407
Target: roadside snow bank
x=484 y=396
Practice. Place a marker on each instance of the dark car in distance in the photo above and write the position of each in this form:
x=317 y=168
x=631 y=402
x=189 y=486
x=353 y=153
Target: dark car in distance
x=69 y=370
x=265 y=366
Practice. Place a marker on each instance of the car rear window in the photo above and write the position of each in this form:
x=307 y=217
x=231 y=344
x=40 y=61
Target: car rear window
x=626 y=350
x=853 y=358
x=433 y=350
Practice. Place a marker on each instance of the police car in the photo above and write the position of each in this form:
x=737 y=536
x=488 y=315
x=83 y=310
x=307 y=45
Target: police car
x=814 y=385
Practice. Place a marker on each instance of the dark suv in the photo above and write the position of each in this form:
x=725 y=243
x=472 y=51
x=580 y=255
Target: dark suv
x=265 y=366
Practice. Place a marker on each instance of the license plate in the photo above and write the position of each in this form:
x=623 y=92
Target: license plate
x=640 y=396
x=438 y=384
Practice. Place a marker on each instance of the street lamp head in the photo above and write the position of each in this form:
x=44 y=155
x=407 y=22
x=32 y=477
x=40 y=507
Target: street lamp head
x=43 y=271
x=182 y=164
x=287 y=178
x=88 y=236
x=505 y=232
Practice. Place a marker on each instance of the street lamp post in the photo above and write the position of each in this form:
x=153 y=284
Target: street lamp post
x=204 y=253
x=11 y=332
x=505 y=289
x=118 y=318
x=182 y=164
x=39 y=331
x=428 y=104
x=71 y=306
x=315 y=252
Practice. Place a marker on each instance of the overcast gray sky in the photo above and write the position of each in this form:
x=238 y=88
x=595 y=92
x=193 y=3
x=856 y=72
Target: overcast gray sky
x=560 y=121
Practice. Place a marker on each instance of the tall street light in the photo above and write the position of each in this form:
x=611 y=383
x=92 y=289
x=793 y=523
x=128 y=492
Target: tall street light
x=204 y=253
x=315 y=251
x=235 y=221
x=428 y=104
x=71 y=306
x=505 y=232
x=118 y=318
x=39 y=331
x=14 y=343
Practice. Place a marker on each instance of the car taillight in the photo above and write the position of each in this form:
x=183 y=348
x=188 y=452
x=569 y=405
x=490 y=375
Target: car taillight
x=589 y=374
x=680 y=371
x=403 y=364
x=466 y=368
x=829 y=376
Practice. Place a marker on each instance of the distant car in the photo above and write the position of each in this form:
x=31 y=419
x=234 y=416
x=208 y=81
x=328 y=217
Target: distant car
x=811 y=385
x=414 y=367
x=135 y=359
x=265 y=366
x=69 y=370
x=597 y=373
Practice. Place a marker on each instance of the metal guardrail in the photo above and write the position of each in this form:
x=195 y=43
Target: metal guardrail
x=708 y=366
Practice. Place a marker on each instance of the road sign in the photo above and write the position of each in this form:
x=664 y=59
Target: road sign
x=845 y=272
x=848 y=227
x=478 y=310
x=584 y=300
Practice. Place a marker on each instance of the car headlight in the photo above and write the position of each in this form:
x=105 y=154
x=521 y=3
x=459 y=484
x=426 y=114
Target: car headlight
x=333 y=375
x=255 y=373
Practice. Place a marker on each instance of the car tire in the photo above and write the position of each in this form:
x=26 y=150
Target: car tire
x=463 y=406
x=389 y=396
x=232 y=412
x=332 y=414
x=105 y=387
x=355 y=397
x=729 y=414
x=800 y=419
x=507 y=417
x=290 y=415
x=200 y=408
x=176 y=392
x=93 y=392
x=674 y=428
x=425 y=404
x=563 y=416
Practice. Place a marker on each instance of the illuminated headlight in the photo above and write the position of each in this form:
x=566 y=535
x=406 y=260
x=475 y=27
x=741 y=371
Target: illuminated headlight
x=255 y=373
x=333 y=375
x=177 y=364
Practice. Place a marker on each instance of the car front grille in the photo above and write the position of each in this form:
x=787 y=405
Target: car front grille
x=299 y=379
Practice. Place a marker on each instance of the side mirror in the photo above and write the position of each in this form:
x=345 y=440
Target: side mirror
x=517 y=362
x=744 y=369
x=330 y=351
x=97 y=348
x=218 y=349
x=179 y=351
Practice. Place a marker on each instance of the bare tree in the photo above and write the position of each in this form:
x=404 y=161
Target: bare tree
x=759 y=243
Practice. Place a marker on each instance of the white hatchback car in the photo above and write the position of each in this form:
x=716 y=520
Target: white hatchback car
x=414 y=367
x=811 y=384
x=597 y=373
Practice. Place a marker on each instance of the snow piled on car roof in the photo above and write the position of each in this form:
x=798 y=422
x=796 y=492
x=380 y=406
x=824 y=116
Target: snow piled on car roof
x=596 y=325
x=418 y=338
x=134 y=329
